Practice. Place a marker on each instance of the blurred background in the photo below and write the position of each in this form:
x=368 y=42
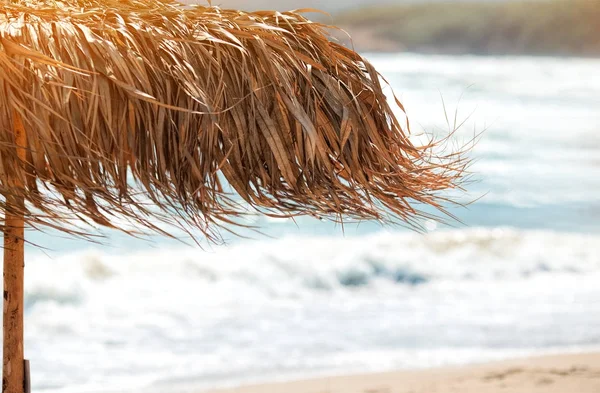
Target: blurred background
x=516 y=276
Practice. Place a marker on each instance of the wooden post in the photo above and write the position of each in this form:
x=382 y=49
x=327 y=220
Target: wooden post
x=13 y=365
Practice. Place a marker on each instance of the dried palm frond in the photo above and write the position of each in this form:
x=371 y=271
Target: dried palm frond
x=149 y=110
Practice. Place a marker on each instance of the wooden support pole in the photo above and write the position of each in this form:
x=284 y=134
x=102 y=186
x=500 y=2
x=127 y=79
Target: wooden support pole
x=13 y=364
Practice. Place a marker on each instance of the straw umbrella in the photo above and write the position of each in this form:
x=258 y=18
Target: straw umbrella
x=153 y=112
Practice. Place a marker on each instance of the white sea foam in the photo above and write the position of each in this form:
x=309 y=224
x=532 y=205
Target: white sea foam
x=299 y=305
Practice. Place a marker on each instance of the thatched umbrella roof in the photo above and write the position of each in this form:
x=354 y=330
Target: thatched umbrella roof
x=140 y=103
x=152 y=111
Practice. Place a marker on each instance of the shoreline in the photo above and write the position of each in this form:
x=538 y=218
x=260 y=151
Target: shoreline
x=577 y=372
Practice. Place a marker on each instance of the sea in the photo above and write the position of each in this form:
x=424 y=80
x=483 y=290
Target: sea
x=517 y=274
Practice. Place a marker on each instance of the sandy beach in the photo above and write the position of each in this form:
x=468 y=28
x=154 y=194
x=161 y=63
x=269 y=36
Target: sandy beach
x=573 y=373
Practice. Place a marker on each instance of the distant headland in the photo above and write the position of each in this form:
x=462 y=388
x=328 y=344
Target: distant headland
x=532 y=27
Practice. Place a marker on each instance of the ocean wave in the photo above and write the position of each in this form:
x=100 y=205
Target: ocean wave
x=298 y=264
x=306 y=303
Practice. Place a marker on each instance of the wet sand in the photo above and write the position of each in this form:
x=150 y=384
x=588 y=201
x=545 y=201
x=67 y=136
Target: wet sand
x=572 y=373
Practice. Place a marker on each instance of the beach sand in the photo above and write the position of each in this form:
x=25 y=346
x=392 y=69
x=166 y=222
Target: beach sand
x=577 y=373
